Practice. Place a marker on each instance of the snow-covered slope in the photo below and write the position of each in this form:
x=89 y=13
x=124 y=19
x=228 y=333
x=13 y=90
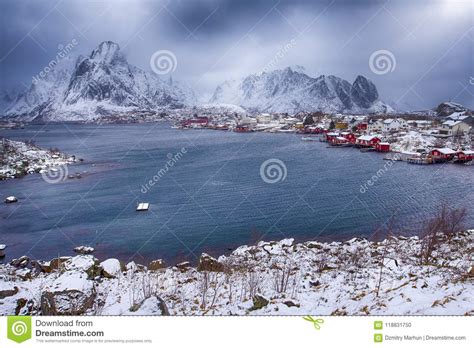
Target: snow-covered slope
x=101 y=84
x=448 y=108
x=291 y=90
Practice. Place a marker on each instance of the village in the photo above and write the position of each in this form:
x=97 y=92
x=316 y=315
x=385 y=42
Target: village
x=414 y=138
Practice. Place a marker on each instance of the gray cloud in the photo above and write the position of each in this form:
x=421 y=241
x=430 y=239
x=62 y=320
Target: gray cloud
x=432 y=41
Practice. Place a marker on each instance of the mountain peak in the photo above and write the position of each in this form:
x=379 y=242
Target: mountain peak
x=106 y=52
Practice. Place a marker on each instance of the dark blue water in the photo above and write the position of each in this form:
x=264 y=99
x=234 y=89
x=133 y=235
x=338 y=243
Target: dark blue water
x=213 y=199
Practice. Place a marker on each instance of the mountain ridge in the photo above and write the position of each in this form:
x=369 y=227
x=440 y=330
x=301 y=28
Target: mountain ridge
x=287 y=90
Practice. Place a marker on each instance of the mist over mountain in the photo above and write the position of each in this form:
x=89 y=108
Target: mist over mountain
x=102 y=83
x=291 y=90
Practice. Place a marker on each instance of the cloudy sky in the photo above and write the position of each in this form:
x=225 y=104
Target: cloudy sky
x=429 y=45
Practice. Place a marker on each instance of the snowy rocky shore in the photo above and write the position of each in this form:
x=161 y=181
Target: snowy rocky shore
x=356 y=277
x=19 y=158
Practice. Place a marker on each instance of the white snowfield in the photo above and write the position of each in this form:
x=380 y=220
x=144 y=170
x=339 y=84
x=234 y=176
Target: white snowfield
x=21 y=158
x=271 y=278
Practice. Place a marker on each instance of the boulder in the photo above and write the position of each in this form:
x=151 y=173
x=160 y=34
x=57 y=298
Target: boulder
x=259 y=301
x=291 y=303
x=156 y=265
x=153 y=305
x=183 y=266
x=111 y=268
x=7 y=289
x=84 y=263
x=72 y=293
x=209 y=263
x=58 y=262
x=84 y=250
x=42 y=266
x=20 y=262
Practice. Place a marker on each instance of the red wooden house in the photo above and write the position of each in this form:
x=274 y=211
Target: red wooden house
x=338 y=141
x=367 y=140
x=351 y=138
x=382 y=147
x=198 y=121
x=465 y=155
x=362 y=126
x=442 y=154
x=330 y=136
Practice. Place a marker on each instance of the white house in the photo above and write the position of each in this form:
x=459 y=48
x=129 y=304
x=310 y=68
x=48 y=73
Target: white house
x=375 y=126
x=451 y=127
x=394 y=124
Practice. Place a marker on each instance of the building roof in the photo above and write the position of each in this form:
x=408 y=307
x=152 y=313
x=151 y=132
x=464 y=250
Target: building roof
x=451 y=123
x=367 y=137
x=445 y=151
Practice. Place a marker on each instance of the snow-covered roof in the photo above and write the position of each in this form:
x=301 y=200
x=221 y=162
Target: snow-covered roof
x=451 y=123
x=367 y=137
x=445 y=151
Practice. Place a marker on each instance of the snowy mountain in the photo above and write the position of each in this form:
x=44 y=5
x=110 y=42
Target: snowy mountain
x=291 y=90
x=448 y=108
x=102 y=83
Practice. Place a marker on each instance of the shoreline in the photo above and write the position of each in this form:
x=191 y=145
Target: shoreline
x=269 y=278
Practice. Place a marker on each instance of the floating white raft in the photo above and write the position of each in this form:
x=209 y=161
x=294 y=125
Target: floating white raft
x=2 y=250
x=143 y=206
x=11 y=199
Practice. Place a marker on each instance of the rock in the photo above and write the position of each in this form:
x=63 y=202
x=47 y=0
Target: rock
x=84 y=250
x=84 y=263
x=314 y=245
x=209 y=263
x=11 y=199
x=314 y=283
x=42 y=266
x=156 y=265
x=153 y=305
x=21 y=262
x=24 y=273
x=291 y=303
x=70 y=294
x=259 y=301
x=183 y=266
x=58 y=262
x=111 y=268
x=7 y=289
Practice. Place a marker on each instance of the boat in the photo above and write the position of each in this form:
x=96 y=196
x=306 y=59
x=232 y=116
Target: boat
x=2 y=250
x=143 y=206
x=309 y=139
x=11 y=199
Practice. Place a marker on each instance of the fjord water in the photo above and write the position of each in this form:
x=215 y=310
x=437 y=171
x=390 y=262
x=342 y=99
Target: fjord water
x=213 y=198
